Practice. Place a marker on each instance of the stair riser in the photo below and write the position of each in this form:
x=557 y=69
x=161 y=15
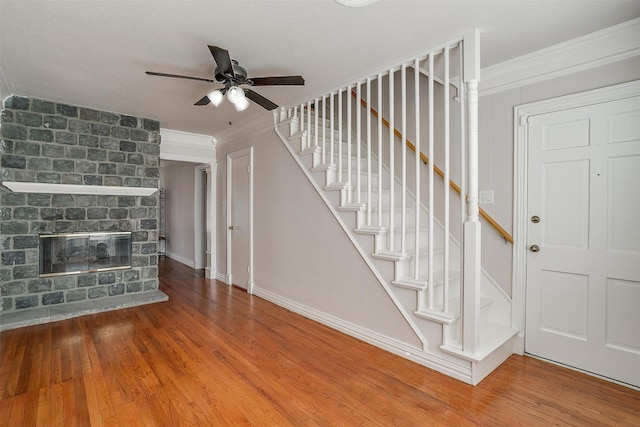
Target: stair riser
x=397 y=217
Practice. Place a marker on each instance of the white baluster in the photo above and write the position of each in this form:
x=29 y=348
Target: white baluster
x=324 y=130
x=403 y=212
x=340 y=136
x=418 y=168
x=462 y=108
x=349 y=177
x=368 y=153
x=392 y=163
x=431 y=168
x=358 y=142
x=316 y=133
x=380 y=149
x=447 y=180
x=332 y=136
x=308 y=123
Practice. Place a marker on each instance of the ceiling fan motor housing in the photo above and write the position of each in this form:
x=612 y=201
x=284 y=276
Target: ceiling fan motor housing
x=240 y=74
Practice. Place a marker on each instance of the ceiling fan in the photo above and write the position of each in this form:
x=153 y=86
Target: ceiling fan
x=229 y=73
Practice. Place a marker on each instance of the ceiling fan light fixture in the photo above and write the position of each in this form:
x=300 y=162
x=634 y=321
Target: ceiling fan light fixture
x=235 y=94
x=241 y=104
x=216 y=97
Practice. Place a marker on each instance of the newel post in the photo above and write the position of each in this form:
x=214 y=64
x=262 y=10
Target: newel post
x=471 y=232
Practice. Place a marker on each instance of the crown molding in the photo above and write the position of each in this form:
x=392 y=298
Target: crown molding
x=187 y=147
x=45 y=188
x=602 y=47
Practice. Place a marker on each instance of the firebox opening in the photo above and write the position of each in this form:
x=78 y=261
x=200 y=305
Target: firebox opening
x=75 y=253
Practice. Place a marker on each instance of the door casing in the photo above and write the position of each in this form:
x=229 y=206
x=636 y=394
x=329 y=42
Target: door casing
x=521 y=138
x=204 y=199
x=230 y=157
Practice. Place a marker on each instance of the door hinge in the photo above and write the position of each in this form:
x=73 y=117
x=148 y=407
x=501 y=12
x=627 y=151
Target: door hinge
x=249 y=269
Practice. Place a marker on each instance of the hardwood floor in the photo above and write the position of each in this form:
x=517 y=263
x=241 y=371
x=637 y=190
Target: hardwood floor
x=213 y=355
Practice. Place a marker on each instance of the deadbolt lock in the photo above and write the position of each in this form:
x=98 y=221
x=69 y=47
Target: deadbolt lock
x=535 y=219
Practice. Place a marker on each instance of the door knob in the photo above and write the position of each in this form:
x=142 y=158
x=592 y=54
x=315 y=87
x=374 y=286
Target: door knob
x=534 y=248
x=231 y=227
x=535 y=219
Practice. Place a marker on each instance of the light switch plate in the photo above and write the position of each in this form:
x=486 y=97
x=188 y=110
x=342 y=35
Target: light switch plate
x=486 y=197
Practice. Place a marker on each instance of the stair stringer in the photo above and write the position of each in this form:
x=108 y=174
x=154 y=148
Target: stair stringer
x=442 y=362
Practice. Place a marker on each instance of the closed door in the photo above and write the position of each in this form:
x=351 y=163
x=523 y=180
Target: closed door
x=583 y=264
x=239 y=220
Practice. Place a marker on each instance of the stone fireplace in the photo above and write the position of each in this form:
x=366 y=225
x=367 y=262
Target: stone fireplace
x=68 y=169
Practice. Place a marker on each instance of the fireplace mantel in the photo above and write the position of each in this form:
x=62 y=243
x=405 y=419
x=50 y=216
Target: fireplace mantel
x=36 y=187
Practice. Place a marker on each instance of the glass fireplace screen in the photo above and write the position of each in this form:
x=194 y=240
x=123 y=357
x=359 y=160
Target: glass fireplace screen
x=84 y=252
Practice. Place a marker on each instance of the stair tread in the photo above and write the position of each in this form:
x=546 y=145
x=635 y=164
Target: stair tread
x=389 y=255
x=436 y=315
x=371 y=229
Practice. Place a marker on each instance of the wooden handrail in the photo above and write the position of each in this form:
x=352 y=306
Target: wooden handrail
x=505 y=235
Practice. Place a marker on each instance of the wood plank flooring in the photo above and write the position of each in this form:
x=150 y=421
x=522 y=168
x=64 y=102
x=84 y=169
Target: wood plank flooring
x=213 y=355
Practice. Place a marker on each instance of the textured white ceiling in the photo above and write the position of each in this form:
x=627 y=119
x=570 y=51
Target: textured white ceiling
x=95 y=53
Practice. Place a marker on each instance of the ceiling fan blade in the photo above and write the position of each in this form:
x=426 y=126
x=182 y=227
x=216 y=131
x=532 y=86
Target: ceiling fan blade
x=223 y=60
x=153 y=73
x=278 y=80
x=203 y=101
x=260 y=100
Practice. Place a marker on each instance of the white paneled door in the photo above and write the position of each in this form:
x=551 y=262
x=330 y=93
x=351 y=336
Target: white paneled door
x=583 y=264
x=239 y=218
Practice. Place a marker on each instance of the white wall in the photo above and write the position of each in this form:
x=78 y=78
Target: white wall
x=301 y=253
x=178 y=181
x=496 y=148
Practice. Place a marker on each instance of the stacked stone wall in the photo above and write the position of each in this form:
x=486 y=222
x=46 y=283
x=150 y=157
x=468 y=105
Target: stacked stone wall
x=49 y=142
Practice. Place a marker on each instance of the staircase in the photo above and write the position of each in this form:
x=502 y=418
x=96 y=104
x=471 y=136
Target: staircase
x=412 y=244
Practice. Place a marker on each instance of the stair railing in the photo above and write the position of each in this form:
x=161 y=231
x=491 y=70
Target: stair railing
x=392 y=168
x=425 y=159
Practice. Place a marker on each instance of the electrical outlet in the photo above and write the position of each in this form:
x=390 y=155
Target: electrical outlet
x=486 y=197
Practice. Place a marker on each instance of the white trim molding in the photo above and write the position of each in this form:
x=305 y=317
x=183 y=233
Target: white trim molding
x=602 y=47
x=187 y=147
x=204 y=203
x=521 y=116
x=37 y=187
x=459 y=369
x=230 y=157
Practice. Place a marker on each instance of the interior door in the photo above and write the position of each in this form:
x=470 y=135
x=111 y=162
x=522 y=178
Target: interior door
x=583 y=264
x=239 y=219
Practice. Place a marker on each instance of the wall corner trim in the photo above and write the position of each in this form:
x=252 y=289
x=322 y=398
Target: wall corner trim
x=600 y=48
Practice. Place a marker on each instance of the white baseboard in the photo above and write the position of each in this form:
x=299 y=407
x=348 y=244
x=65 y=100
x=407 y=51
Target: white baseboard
x=222 y=277
x=458 y=369
x=188 y=262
